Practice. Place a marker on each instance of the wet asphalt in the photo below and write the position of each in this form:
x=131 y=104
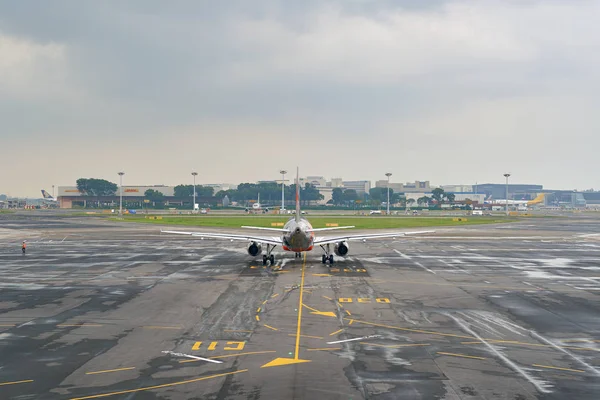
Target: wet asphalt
x=97 y=309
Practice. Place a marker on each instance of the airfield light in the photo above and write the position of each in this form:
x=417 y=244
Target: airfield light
x=121 y=193
x=506 y=204
x=388 y=174
x=194 y=174
x=283 y=172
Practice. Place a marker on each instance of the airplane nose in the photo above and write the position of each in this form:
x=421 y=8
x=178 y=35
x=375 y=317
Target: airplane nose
x=298 y=230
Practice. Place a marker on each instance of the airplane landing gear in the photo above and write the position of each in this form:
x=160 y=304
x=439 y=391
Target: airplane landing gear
x=327 y=257
x=298 y=255
x=269 y=257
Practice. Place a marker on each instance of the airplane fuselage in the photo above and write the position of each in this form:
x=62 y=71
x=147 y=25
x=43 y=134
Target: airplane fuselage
x=299 y=237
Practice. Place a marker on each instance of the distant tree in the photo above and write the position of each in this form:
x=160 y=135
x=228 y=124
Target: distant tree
x=96 y=188
x=337 y=195
x=186 y=191
x=450 y=197
x=438 y=195
x=410 y=202
x=423 y=201
x=350 y=195
x=155 y=197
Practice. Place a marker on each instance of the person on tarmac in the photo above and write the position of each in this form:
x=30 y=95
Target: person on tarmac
x=24 y=247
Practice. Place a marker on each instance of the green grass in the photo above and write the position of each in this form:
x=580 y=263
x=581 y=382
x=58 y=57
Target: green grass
x=317 y=221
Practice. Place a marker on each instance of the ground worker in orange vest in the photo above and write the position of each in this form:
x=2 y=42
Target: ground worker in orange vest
x=24 y=247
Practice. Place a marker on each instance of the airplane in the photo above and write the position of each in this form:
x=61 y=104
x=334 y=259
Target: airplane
x=48 y=197
x=297 y=236
x=256 y=207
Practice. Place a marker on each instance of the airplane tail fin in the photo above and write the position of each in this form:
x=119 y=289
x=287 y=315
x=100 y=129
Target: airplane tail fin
x=298 y=215
x=46 y=195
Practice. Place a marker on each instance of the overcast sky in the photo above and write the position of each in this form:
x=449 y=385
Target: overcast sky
x=446 y=91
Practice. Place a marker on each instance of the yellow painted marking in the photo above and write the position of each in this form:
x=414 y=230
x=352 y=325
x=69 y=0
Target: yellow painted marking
x=345 y=300
x=383 y=300
x=238 y=346
x=109 y=370
x=296 y=360
x=7 y=325
x=348 y=312
x=334 y=269
x=307 y=336
x=394 y=346
x=328 y=298
x=339 y=304
x=460 y=355
x=162 y=327
x=363 y=300
x=258 y=309
x=572 y=340
x=159 y=386
x=258 y=318
x=324 y=313
x=414 y=330
x=233 y=330
x=75 y=325
x=270 y=327
x=333 y=333
x=264 y=302
x=322 y=275
x=230 y=355
x=558 y=368
x=325 y=349
x=351 y=322
x=310 y=308
x=16 y=382
x=275 y=295
x=212 y=346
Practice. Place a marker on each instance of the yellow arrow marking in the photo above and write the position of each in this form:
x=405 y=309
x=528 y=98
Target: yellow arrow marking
x=296 y=360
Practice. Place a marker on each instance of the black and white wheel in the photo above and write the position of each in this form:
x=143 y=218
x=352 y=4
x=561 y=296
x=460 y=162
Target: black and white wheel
x=272 y=259
x=331 y=259
x=324 y=259
x=265 y=259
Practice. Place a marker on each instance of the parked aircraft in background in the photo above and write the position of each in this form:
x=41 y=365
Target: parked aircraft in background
x=297 y=236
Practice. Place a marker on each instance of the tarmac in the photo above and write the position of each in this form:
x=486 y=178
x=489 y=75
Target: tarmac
x=100 y=309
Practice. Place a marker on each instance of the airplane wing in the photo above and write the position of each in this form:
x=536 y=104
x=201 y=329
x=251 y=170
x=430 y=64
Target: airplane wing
x=337 y=239
x=276 y=241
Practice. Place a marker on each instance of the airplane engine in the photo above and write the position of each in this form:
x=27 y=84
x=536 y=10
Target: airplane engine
x=254 y=249
x=341 y=248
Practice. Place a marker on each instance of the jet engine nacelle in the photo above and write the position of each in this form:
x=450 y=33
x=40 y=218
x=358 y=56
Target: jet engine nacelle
x=254 y=249
x=341 y=248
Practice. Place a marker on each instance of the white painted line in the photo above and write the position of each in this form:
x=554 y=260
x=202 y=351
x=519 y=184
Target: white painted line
x=355 y=339
x=541 y=386
x=193 y=357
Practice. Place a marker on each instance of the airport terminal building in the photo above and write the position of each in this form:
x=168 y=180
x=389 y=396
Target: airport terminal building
x=133 y=196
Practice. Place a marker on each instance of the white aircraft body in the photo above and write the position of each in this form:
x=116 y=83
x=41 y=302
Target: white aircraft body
x=48 y=197
x=256 y=207
x=297 y=236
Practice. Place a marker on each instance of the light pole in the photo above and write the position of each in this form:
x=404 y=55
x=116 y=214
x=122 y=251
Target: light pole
x=283 y=172
x=194 y=174
x=506 y=205
x=121 y=193
x=388 y=174
x=52 y=190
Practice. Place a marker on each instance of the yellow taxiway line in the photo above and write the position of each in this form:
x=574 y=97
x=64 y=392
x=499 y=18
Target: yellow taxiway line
x=16 y=382
x=109 y=370
x=333 y=333
x=96 y=396
x=558 y=368
x=460 y=355
x=270 y=327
